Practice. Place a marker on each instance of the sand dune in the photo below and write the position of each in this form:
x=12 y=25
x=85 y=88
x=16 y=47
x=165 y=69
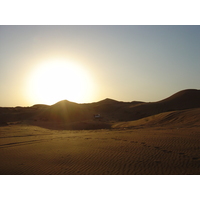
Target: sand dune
x=69 y=115
x=185 y=99
x=66 y=111
x=129 y=138
x=179 y=119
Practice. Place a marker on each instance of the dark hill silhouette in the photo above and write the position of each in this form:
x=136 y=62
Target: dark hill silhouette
x=185 y=99
x=66 y=111
x=111 y=111
x=107 y=101
x=182 y=100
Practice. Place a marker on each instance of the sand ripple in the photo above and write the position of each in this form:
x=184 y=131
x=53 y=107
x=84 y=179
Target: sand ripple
x=125 y=152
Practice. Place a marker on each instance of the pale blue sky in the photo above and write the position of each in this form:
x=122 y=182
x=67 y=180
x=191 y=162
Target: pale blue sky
x=126 y=63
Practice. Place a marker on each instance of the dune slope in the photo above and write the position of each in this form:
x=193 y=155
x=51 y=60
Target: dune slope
x=179 y=119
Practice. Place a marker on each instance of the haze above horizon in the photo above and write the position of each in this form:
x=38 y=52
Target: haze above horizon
x=84 y=64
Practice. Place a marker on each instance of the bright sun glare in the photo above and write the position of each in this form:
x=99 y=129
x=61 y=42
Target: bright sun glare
x=57 y=80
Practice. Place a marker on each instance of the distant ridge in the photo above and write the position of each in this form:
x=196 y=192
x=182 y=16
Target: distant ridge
x=66 y=111
x=107 y=101
x=64 y=102
x=187 y=98
x=111 y=111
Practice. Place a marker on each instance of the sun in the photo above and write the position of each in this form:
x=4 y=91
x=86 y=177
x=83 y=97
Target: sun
x=56 y=80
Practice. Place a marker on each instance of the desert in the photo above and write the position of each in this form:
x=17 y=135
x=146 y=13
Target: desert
x=108 y=137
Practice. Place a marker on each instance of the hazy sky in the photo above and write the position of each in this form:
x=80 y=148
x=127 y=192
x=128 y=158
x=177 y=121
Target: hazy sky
x=126 y=63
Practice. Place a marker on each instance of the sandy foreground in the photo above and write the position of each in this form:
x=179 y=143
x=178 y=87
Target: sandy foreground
x=32 y=150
